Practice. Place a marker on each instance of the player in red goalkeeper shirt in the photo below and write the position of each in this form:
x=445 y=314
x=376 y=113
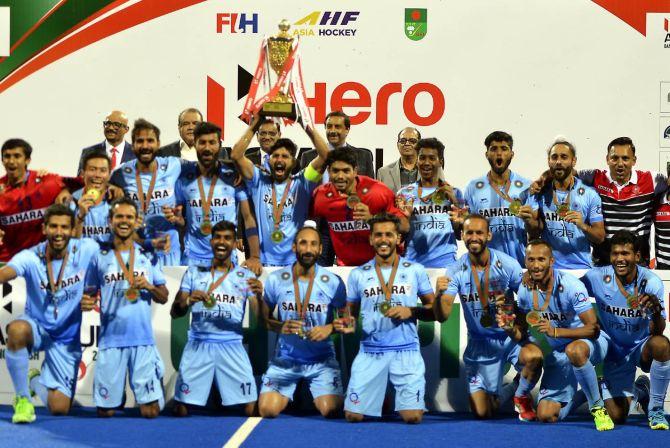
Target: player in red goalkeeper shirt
x=347 y=202
x=24 y=196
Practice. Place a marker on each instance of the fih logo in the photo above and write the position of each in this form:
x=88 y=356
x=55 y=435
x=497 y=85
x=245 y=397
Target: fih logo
x=236 y=22
x=323 y=23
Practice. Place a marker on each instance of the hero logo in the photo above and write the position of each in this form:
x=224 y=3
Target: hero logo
x=323 y=22
x=352 y=97
x=235 y=22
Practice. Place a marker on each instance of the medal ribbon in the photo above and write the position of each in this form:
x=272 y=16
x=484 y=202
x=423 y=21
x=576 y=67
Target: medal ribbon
x=504 y=193
x=145 y=200
x=206 y=203
x=216 y=283
x=547 y=296
x=277 y=209
x=55 y=286
x=483 y=293
x=253 y=88
x=301 y=307
x=387 y=287
x=623 y=290
x=127 y=269
x=567 y=199
x=440 y=184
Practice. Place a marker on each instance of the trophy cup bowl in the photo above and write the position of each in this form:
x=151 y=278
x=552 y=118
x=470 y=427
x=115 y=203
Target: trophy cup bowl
x=279 y=49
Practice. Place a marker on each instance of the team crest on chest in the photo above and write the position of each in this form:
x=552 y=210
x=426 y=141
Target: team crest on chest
x=285 y=276
x=365 y=190
x=240 y=274
x=518 y=183
x=367 y=267
x=163 y=167
x=607 y=278
x=560 y=288
x=329 y=194
x=581 y=191
x=127 y=170
x=324 y=278
x=499 y=264
x=479 y=185
x=406 y=264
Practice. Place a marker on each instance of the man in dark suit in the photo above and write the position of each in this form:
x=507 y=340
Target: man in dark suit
x=337 y=130
x=185 y=146
x=119 y=151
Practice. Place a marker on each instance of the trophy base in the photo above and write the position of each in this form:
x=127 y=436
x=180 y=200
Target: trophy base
x=286 y=110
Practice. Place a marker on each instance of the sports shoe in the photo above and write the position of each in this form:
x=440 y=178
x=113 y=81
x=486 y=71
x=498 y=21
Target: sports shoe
x=601 y=418
x=32 y=373
x=641 y=393
x=657 y=419
x=24 y=411
x=524 y=406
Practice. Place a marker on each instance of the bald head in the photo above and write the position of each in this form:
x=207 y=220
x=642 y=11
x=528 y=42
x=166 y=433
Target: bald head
x=115 y=127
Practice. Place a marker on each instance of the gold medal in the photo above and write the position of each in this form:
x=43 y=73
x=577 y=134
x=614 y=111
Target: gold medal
x=515 y=207
x=277 y=236
x=439 y=197
x=533 y=318
x=632 y=301
x=93 y=194
x=210 y=302
x=353 y=201
x=563 y=210
x=132 y=294
x=384 y=307
x=206 y=227
x=486 y=320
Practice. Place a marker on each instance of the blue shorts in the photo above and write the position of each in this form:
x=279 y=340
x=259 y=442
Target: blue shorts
x=282 y=376
x=559 y=383
x=226 y=363
x=145 y=373
x=60 y=368
x=369 y=375
x=619 y=370
x=485 y=360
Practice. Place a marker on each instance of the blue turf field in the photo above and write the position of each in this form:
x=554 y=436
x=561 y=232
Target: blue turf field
x=128 y=430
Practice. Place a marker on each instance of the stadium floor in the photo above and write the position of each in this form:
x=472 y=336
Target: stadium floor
x=84 y=429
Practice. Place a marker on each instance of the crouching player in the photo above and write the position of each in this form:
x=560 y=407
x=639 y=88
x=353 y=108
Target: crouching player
x=217 y=298
x=128 y=282
x=305 y=296
x=557 y=305
x=633 y=317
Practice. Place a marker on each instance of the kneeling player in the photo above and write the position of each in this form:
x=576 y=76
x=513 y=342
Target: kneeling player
x=482 y=276
x=217 y=297
x=385 y=291
x=52 y=320
x=305 y=295
x=557 y=305
x=633 y=317
x=128 y=282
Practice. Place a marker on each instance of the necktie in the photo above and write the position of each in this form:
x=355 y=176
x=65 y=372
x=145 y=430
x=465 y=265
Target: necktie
x=114 y=151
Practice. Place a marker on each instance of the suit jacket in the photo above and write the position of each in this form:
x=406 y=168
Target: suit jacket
x=174 y=150
x=363 y=158
x=127 y=155
x=390 y=175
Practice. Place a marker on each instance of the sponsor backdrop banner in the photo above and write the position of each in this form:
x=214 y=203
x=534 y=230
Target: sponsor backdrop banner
x=590 y=70
x=442 y=345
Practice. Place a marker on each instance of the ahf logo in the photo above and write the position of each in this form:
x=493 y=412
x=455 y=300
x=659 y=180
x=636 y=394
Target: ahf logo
x=236 y=22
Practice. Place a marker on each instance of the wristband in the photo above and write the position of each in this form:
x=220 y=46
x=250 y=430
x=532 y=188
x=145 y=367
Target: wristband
x=312 y=175
x=251 y=231
x=555 y=333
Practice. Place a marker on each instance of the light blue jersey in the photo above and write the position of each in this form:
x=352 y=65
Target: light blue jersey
x=571 y=246
x=328 y=294
x=292 y=218
x=123 y=323
x=168 y=171
x=380 y=333
x=627 y=327
x=504 y=274
x=58 y=314
x=223 y=322
x=431 y=239
x=225 y=202
x=569 y=299
x=509 y=231
x=96 y=221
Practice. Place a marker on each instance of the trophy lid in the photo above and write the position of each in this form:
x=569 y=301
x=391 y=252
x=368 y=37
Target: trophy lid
x=284 y=26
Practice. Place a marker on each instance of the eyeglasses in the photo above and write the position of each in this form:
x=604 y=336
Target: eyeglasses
x=411 y=141
x=267 y=133
x=114 y=124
